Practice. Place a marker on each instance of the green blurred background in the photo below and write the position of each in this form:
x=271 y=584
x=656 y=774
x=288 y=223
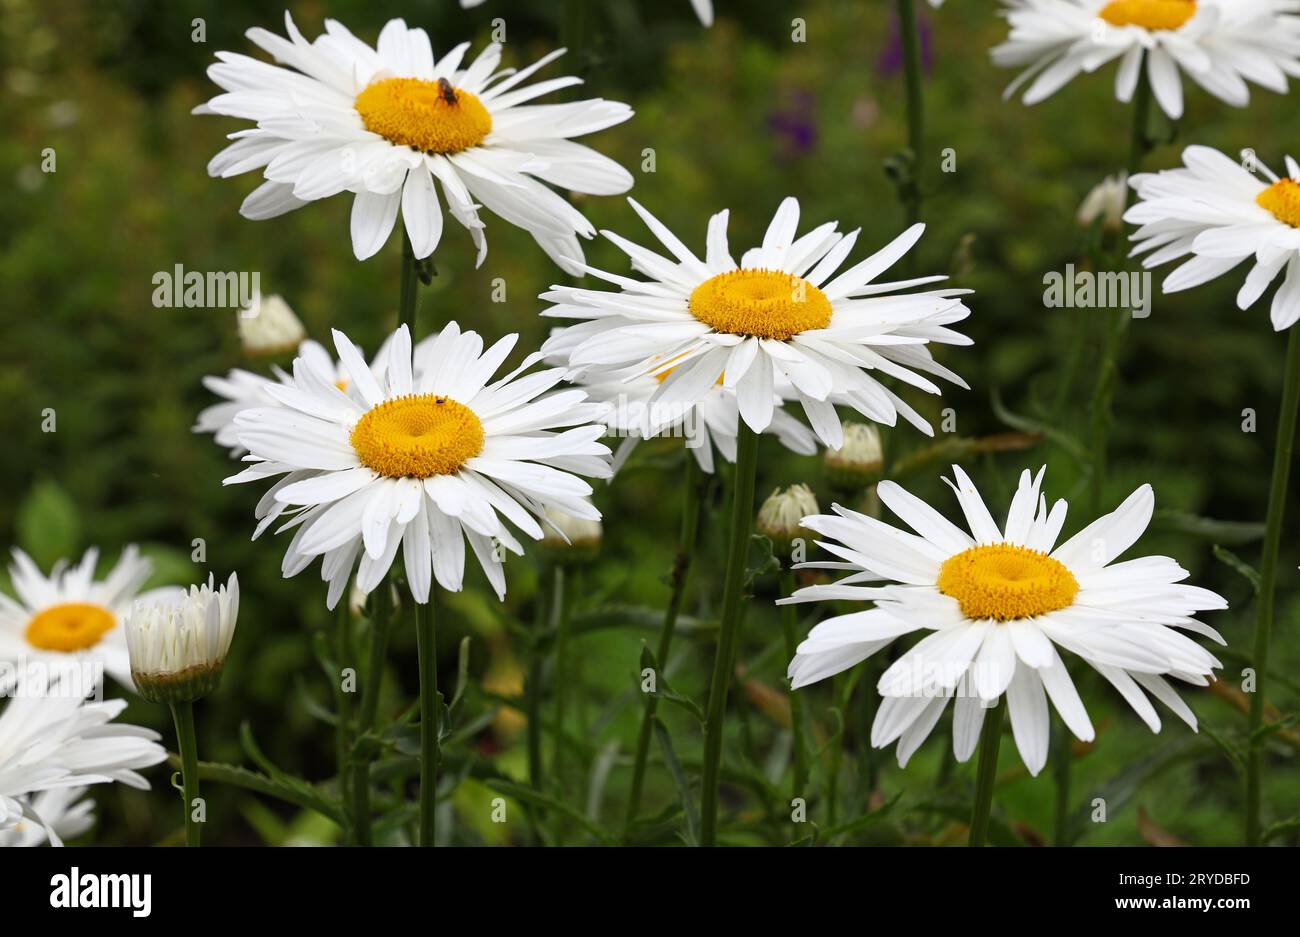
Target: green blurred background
x=738 y=116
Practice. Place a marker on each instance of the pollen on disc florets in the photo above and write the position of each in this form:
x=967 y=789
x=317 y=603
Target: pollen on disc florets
x=760 y=303
x=423 y=115
x=1282 y=198
x=1004 y=582
x=417 y=436
x=1149 y=14
x=68 y=627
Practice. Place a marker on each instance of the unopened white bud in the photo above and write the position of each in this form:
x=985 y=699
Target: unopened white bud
x=269 y=327
x=780 y=519
x=858 y=461
x=178 y=648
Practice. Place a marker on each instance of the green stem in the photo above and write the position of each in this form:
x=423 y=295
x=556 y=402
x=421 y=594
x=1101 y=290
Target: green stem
x=426 y=638
x=560 y=625
x=742 y=521
x=695 y=484
x=789 y=623
x=910 y=38
x=343 y=699
x=987 y=774
x=409 y=287
x=533 y=687
x=188 y=747
x=1268 y=578
x=1063 y=759
x=383 y=605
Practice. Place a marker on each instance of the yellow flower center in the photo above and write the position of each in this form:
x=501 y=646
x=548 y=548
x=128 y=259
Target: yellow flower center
x=1282 y=198
x=72 y=626
x=1003 y=582
x=417 y=436
x=1149 y=14
x=760 y=303
x=430 y=116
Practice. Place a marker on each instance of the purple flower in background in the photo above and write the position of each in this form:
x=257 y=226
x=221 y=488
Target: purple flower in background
x=890 y=60
x=794 y=125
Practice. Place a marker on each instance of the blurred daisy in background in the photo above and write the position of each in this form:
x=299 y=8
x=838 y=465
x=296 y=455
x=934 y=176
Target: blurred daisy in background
x=68 y=619
x=267 y=326
x=779 y=317
x=998 y=603
x=422 y=462
x=1220 y=44
x=393 y=125
x=65 y=810
x=708 y=424
x=52 y=740
x=241 y=390
x=1219 y=214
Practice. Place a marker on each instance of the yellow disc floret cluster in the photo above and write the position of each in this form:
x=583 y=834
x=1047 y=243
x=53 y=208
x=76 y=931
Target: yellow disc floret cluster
x=72 y=626
x=1003 y=582
x=760 y=303
x=1149 y=14
x=1282 y=198
x=417 y=436
x=423 y=115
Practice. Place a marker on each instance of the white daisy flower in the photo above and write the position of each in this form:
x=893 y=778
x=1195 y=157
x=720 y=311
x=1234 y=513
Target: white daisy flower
x=422 y=463
x=68 y=620
x=1220 y=214
x=781 y=315
x=65 y=810
x=52 y=740
x=999 y=602
x=1220 y=44
x=242 y=390
x=710 y=423
x=387 y=123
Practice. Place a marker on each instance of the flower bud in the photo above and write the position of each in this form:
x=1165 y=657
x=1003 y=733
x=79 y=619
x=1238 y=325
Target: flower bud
x=780 y=519
x=1106 y=201
x=857 y=462
x=178 y=648
x=268 y=327
x=568 y=539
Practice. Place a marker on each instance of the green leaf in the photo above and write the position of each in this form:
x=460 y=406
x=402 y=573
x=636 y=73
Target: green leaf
x=683 y=785
x=1170 y=520
x=1266 y=730
x=1274 y=830
x=1066 y=441
x=664 y=691
x=1248 y=572
x=47 y=524
x=546 y=801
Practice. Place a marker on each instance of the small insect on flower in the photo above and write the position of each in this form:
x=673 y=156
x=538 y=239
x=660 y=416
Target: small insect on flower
x=393 y=125
x=423 y=452
x=997 y=603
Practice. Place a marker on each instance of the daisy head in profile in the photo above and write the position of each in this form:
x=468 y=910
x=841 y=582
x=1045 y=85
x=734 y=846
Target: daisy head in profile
x=1218 y=213
x=393 y=125
x=784 y=316
x=422 y=460
x=997 y=604
x=1220 y=44
x=69 y=619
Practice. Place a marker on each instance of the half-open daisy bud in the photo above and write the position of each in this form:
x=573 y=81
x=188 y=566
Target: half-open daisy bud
x=267 y=326
x=780 y=519
x=568 y=539
x=1105 y=202
x=857 y=463
x=179 y=648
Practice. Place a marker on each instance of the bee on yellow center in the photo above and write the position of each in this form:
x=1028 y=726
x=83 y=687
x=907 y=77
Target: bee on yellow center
x=1005 y=582
x=760 y=303
x=1149 y=14
x=429 y=116
x=417 y=436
